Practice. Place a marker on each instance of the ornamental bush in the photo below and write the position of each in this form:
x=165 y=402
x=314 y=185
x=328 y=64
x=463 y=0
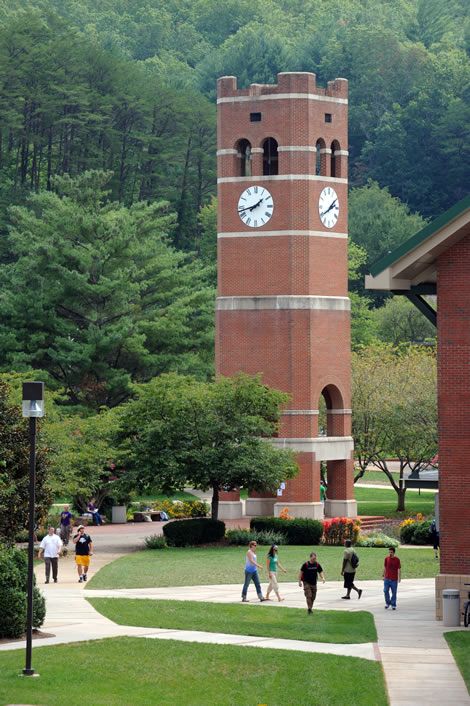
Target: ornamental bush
x=266 y=537
x=187 y=533
x=175 y=509
x=13 y=595
x=297 y=530
x=376 y=539
x=336 y=530
x=416 y=531
x=155 y=541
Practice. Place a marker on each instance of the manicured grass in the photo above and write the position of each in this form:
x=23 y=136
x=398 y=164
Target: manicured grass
x=140 y=672
x=375 y=501
x=375 y=477
x=459 y=643
x=263 y=621
x=221 y=565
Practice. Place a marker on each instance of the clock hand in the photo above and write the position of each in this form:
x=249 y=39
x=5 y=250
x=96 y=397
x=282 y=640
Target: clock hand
x=255 y=205
x=250 y=208
x=329 y=208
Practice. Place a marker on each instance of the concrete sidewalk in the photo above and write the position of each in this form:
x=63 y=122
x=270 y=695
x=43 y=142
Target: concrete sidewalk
x=418 y=666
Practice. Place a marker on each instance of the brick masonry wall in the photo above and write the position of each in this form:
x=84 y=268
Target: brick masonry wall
x=453 y=288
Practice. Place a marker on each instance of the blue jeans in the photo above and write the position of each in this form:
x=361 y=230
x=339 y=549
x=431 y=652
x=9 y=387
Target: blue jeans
x=390 y=585
x=249 y=575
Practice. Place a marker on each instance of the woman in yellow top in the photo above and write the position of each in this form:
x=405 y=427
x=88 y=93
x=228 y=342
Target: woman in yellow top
x=272 y=562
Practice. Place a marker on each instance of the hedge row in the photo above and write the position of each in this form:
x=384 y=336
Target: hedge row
x=187 y=533
x=297 y=530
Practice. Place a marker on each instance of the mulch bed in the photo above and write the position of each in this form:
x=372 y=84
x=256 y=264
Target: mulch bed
x=37 y=635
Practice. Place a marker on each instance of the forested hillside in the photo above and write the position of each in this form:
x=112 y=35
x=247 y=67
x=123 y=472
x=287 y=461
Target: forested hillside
x=126 y=88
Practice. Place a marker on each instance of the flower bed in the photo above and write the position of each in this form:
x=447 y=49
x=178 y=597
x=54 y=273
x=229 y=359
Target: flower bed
x=338 y=529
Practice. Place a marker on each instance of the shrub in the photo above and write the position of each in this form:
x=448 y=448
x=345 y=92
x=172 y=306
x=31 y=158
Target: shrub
x=243 y=536
x=13 y=582
x=175 y=509
x=406 y=532
x=186 y=533
x=376 y=539
x=297 y=530
x=336 y=530
x=416 y=530
x=422 y=533
x=156 y=541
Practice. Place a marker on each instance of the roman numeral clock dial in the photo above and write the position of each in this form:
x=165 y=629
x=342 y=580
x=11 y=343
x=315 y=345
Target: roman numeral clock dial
x=255 y=206
x=328 y=207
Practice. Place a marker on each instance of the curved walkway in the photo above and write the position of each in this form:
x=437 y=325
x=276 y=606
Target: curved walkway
x=418 y=665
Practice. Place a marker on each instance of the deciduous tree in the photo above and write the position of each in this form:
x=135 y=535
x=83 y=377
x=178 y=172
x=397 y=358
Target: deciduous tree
x=180 y=432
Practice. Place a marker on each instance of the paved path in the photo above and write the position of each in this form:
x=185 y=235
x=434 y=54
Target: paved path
x=419 y=667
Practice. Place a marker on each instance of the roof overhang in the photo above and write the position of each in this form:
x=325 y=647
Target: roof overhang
x=411 y=268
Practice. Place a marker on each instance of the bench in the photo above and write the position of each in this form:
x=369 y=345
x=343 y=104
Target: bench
x=145 y=516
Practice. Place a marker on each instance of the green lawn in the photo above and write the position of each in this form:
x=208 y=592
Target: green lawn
x=375 y=501
x=263 y=621
x=143 y=672
x=459 y=643
x=375 y=477
x=221 y=565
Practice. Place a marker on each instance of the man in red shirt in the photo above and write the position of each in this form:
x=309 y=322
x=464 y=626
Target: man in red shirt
x=391 y=577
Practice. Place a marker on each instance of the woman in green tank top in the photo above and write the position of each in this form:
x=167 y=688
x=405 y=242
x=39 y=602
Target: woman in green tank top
x=272 y=562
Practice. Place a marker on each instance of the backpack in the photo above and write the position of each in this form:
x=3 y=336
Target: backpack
x=354 y=560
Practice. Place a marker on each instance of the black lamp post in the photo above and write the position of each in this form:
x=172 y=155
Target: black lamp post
x=33 y=407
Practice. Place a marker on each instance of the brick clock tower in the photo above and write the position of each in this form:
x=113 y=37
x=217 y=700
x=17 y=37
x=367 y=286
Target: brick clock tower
x=282 y=307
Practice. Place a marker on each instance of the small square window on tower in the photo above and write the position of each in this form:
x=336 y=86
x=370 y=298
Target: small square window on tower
x=255 y=117
x=328 y=118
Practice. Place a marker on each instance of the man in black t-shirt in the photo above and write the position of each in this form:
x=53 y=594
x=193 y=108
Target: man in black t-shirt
x=308 y=576
x=83 y=552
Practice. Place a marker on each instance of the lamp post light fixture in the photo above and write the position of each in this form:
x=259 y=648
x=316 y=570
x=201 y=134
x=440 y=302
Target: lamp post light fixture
x=33 y=407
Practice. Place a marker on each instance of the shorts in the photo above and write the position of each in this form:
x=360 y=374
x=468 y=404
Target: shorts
x=82 y=560
x=349 y=579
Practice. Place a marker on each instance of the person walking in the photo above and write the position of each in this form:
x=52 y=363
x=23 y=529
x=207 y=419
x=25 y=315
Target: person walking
x=309 y=572
x=391 y=577
x=251 y=573
x=435 y=538
x=348 y=570
x=322 y=492
x=65 y=524
x=272 y=562
x=51 y=547
x=83 y=552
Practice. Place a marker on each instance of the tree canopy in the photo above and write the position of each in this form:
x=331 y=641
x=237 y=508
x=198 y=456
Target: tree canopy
x=108 y=300
x=180 y=432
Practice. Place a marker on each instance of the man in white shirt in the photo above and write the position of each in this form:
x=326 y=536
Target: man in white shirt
x=51 y=547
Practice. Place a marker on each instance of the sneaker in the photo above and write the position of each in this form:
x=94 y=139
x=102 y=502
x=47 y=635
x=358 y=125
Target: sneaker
x=55 y=580
x=262 y=599
x=346 y=598
x=387 y=607
x=309 y=611
x=359 y=594
x=46 y=581
x=245 y=600
x=85 y=578
x=80 y=579
x=394 y=607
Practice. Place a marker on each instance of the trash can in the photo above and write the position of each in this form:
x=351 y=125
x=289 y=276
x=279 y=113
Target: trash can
x=118 y=514
x=451 y=607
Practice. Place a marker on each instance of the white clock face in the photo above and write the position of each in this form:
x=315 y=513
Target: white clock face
x=328 y=207
x=255 y=206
